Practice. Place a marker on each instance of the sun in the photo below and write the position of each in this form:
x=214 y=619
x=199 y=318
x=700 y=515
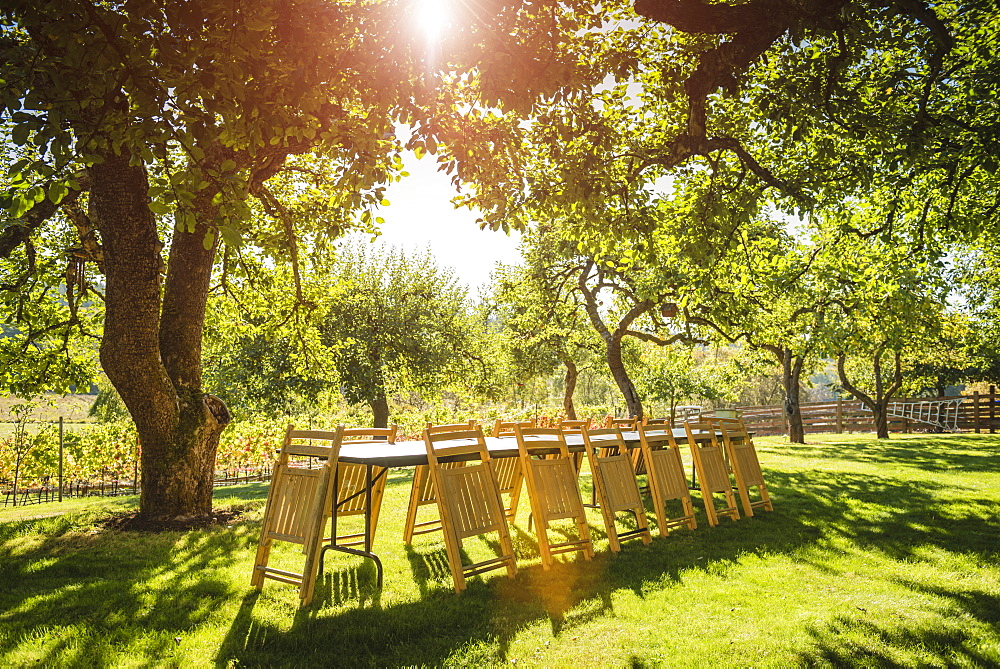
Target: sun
x=432 y=17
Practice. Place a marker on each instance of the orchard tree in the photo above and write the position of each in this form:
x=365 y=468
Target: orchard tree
x=542 y=317
x=396 y=322
x=671 y=374
x=156 y=128
x=891 y=307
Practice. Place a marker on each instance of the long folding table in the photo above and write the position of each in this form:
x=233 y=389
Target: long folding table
x=413 y=453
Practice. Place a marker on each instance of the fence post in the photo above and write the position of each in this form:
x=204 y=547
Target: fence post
x=840 y=415
x=61 y=451
x=993 y=400
x=975 y=412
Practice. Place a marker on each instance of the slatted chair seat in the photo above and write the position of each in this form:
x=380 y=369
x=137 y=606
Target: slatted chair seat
x=712 y=470
x=615 y=484
x=468 y=499
x=299 y=503
x=423 y=493
x=552 y=490
x=745 y=465
x=665 y=475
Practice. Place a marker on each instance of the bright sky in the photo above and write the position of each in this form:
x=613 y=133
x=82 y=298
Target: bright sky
x=420 y=216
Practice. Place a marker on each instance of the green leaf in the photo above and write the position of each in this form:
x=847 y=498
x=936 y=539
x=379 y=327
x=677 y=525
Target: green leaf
x=57 y=192
x=19 y=135
x=209 y=240
x=231 y=236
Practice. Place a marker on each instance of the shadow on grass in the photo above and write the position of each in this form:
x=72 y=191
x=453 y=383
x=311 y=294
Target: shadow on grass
x=111 y=590
x=849 y=641
x=96 y=580
x=966 y=453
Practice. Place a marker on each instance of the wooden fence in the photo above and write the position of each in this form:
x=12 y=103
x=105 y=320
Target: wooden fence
x=980 y=412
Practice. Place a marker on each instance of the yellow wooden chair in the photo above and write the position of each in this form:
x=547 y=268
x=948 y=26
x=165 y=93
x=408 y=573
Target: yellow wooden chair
x=665 y=474
x=744 y=462
x=510 y=476
x=712 y=470
x=552 y=490
x=575 y=427
x=298 y=505
x=615 y=484
x=352 y=484
x=627 y=424
x=468 y=499
x=422 y=492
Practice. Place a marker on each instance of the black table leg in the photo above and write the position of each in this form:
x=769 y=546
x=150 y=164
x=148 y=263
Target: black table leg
x=367 y=552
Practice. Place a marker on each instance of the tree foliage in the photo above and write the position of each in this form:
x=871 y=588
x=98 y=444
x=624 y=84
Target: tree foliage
x=396 y=322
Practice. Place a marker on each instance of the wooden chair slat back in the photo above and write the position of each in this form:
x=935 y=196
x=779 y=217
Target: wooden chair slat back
x=533 y=441
x=552 y=489
x=468 y=498
x=299 y=503
x=468 y=492
x=713 y=474
x=615 y=484
x=746 y=465
x=501 y=428
x=665 y=473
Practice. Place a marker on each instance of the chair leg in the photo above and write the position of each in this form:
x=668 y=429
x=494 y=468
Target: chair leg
x=263 y=556
x=706 y=497
x=765 y=497
x=419 y=474
x=515 y=497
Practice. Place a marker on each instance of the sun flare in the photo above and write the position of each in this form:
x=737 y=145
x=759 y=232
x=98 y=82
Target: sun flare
x=432 y=17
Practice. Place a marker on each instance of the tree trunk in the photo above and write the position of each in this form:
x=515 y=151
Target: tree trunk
x=380 y=411
x=791 y=380
x=881 y=416
x=613 y=340
x=633 y=405
x=571 y=375
x=879 y=404
x=157 y=374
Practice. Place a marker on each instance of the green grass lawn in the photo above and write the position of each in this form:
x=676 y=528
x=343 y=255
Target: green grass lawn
x=877 y=554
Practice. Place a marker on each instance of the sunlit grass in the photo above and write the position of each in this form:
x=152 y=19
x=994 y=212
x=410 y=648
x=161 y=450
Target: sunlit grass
x=877 y=553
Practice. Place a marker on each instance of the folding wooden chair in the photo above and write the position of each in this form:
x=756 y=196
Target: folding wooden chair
x=665 y=474
x=298 y=506
x=352 y=486
x=422 y=491
x=575 y=427
x=746 y=466
x=712 y=470
x=510 y=476
x=468 y=499
x=552 y=490
x=626 y=424
x=615 y=483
